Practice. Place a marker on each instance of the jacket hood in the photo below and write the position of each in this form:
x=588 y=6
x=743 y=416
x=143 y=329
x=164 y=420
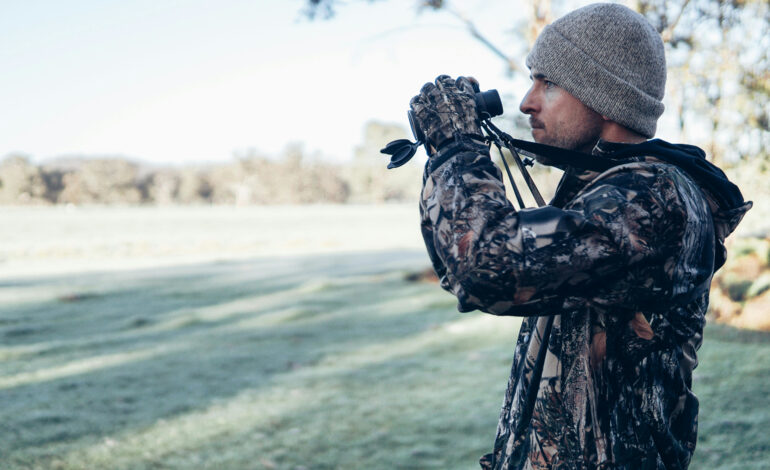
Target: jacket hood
x=725 y=199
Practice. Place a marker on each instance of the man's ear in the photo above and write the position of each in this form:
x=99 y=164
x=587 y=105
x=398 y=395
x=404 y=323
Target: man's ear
x=606 y=118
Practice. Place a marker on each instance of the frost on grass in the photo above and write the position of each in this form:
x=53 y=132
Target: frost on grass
x=273 y=359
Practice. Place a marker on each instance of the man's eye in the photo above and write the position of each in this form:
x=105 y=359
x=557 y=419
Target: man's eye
x=549 y=84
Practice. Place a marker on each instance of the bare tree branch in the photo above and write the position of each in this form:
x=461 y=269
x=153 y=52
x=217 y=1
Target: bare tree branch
x=512 y=65
x=668 y=33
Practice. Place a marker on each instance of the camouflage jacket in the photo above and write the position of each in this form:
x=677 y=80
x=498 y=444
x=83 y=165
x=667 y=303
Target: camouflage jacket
x=612 y=277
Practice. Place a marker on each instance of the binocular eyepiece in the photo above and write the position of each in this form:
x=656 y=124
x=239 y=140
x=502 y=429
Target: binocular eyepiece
x=488 y=105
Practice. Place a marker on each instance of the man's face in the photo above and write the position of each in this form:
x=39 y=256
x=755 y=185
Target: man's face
x=558 y=118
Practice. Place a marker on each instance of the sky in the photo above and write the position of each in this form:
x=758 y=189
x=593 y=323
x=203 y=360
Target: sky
x=178 y=82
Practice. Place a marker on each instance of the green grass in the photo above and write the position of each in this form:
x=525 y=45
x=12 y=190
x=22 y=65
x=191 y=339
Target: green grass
x=314 y=362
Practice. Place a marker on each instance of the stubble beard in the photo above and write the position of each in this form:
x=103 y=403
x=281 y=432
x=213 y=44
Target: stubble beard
x=580 y=131
x=581 y=138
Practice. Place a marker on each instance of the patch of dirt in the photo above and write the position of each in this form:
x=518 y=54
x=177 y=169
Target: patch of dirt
x=721 y=307
x=755 y=314
x=425 y=275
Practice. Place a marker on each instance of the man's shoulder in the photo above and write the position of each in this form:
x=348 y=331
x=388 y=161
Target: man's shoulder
x=645 y=191
x=644 y=168
x=664 y=182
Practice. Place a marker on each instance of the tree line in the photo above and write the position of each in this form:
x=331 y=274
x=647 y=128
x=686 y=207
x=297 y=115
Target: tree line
x=252 y=178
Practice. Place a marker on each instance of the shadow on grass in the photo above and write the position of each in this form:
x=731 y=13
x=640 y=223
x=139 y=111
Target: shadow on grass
x=209 y=332
x=329 y=361
x=389 y=402
x=93 y=306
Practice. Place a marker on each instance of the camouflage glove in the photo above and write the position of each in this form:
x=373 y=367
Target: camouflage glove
x=446 y=111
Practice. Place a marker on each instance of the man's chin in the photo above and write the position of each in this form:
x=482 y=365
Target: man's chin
x=539 y=136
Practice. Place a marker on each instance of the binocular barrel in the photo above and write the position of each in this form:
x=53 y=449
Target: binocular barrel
x=488 y=104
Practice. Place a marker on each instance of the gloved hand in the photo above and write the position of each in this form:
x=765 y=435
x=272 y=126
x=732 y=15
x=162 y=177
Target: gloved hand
x=446 y=109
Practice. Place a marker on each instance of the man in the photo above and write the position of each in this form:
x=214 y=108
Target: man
x=613 y=275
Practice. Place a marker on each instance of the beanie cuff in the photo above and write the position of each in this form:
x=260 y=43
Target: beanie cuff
x=572 y=69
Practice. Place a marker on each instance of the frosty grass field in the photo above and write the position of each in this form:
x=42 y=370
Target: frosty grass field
x=274 y=338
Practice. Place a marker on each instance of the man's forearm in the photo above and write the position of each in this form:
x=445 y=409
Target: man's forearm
x=522 y=263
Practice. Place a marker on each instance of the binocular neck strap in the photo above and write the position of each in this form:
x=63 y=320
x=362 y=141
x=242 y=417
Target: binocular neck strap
x=566 y=157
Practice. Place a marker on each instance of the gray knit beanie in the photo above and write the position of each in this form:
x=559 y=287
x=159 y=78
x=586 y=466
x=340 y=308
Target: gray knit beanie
x=611 y=59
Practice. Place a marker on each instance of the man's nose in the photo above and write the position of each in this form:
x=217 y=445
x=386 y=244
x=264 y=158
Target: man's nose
x=529 y=103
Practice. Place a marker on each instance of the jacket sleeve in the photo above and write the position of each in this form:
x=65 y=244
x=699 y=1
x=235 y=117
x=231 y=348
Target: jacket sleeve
x=533 y=261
